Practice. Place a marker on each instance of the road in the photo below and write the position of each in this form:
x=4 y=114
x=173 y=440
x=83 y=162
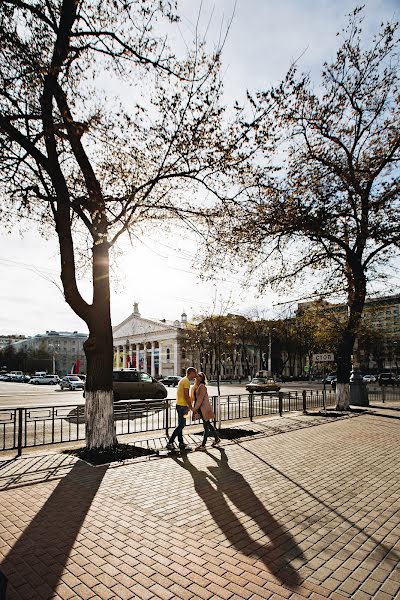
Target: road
x=13 y=395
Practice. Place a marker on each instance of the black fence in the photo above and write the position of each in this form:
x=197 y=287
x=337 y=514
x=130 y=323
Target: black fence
x=42 y=425
x=384 y=394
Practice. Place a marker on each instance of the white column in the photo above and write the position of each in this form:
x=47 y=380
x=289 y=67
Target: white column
x=117 y=367
x=153 y=369
x=124 y=356
x=160 y=359
x=137 y=356
x=130 y=354
x=176 y=359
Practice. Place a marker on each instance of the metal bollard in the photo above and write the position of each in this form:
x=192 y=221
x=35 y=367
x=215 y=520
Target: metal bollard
x=251 y=397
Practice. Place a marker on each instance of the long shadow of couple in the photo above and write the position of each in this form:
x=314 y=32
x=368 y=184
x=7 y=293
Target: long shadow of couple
x=220 y=483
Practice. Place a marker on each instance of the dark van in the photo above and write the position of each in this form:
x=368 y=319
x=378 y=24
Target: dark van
x=136 y=385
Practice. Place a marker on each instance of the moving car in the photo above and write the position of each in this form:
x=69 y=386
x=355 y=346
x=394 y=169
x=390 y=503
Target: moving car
x=262 y=384
x=136 y=385
x=171 y=380
x=48 y=379
x=386 y=379
x=369 y=379
x=72 y=383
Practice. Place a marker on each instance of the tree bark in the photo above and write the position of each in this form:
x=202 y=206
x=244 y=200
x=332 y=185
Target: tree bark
x=356 y=301
x=99 y=413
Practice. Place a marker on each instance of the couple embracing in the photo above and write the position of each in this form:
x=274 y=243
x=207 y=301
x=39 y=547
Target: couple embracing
x=194 y=398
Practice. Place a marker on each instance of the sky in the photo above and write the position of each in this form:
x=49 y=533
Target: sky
x=160 y=272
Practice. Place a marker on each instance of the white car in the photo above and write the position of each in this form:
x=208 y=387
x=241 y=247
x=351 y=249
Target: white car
x=369 y=378
x=45 y=379
x=72 y=383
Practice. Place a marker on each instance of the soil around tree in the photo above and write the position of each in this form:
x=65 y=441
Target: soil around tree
x=118 y=453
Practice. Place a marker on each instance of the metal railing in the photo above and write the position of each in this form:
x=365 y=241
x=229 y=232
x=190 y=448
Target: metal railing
x=384 y=394
x=41 y=425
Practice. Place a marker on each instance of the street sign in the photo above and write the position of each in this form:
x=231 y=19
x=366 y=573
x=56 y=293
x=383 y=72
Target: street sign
x=326 y=357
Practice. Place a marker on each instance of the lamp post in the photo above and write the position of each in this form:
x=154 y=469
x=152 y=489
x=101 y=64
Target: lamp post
x=54 y=347
x=395 y=350
x=270 y=329
x=358 y=388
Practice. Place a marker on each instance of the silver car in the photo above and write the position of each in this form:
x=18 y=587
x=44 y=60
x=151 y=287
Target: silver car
x=48 y=379
x=72 y=383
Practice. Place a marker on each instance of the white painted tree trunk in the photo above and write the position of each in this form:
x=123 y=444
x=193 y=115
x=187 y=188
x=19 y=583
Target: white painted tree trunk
x=342 y=396
x=99 y=419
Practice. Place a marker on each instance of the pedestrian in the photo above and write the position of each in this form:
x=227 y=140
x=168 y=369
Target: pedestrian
x=183 y=405
x=201 y=404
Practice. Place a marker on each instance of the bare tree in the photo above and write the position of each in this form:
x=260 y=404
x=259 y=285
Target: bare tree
x=91 y=166
x=333 y=208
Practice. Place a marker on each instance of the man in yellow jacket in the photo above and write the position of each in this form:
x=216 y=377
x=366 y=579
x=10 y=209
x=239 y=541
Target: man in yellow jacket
x=183 y=405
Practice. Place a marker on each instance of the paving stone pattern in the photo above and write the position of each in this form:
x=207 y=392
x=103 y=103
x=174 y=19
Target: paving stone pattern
x=310 y=513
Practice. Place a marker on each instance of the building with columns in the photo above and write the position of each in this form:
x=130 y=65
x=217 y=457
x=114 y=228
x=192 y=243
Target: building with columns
x=150 y=345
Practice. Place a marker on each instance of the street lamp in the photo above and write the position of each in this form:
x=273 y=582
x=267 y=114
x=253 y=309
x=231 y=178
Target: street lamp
x=54 y=347
x=270 y=329
x=395 y=350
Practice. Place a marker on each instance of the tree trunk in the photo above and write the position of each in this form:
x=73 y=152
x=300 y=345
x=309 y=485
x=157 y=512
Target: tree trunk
x=99 y=411
x=356 y=301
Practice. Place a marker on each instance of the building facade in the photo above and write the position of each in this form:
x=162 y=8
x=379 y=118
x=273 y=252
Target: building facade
x=380 y=315
x=150 y=345
x=65 y=348
x=5 y=340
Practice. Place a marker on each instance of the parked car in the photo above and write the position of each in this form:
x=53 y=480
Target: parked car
x=72 y=383
x=136 y=385
x=369 y=378
x=83 y=377
x=386 y=379
x=48 y=379
x=334 y=383
x=18 y=378
x=171 y=380
x=329 y=378
x=262 y=384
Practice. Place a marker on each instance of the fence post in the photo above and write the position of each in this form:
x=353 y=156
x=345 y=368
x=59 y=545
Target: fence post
x=280 y=398
x=52 y=423
x=304 y=401
x=214 y=401
x=19 y=446
x=383 y=393
x=251 y=407
x=167 y=418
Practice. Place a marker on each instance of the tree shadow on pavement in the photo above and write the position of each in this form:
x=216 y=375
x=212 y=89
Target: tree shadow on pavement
x=222 y=483
x=36 y=560
x=385 y=551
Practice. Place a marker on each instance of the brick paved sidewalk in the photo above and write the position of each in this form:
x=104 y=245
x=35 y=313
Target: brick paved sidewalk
x=312 y=512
